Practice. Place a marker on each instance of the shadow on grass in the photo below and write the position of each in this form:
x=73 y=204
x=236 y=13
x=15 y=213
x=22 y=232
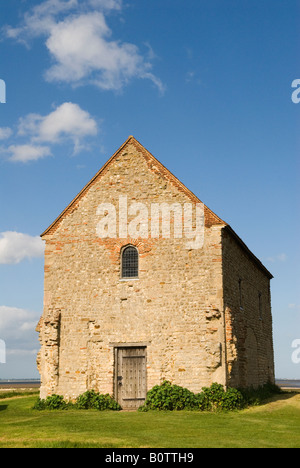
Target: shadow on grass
x=69 y=444
x=276 y=398
x=3 y=407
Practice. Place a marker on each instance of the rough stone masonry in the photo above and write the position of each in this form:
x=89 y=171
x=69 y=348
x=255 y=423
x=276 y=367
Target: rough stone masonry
x=193 y=316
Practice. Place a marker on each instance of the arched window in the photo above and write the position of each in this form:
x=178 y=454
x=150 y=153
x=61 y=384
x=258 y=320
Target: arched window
x=130 y=262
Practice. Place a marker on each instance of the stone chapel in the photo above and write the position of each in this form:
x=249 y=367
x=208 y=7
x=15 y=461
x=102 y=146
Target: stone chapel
x=143 y=282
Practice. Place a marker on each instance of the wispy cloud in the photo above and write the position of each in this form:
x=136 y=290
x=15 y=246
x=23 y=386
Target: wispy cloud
x=5 y=132
x=68 y=123
x=277 y=258
x=294 y=306
x=16 y=246
x=78 y=39
x=192 y=77
x=40 y=19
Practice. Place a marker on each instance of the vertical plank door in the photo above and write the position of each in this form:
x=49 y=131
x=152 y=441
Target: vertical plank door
x=131 y=385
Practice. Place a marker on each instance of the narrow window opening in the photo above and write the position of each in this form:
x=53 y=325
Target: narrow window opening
x=130 y=262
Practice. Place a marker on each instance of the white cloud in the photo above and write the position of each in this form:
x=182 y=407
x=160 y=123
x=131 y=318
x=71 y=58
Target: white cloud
x=68 y=120
x=39 y=20
x=17 y=330
x=78 y=40
x=43 y=17
x=14 y=320
x=82 y=51
x=16 y=246
x=25 y=153
x=67 y=123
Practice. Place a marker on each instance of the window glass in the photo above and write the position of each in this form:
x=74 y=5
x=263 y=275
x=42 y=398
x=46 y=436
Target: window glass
x=130 y=262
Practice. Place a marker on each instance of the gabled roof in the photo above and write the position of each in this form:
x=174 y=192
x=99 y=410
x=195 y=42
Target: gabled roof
x=154 y=165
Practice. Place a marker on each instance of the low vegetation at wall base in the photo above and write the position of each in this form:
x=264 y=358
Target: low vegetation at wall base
x=88 y=400
x=169 y=397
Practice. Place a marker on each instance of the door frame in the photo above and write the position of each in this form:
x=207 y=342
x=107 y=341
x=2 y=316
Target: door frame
x=116 y=347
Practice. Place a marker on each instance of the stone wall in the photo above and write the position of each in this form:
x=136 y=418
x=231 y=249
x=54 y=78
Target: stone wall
x=247 y=303
x=199 y=323
x=175 y=306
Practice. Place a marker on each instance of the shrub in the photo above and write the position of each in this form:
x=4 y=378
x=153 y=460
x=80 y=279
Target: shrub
x=93 y=400
x=202 y=402
x=168 y=397
x=216 y=398
x=232 y=399
x=172 y=397
x=88 y=400
x=52 y=402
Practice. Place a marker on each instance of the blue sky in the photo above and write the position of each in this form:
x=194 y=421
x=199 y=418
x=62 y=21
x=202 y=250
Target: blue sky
x=205 y=85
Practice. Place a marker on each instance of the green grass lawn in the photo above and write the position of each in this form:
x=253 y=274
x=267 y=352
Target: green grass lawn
x=275 y=424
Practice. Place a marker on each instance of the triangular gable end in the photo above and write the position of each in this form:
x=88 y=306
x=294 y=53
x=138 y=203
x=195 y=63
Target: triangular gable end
x=155 y=166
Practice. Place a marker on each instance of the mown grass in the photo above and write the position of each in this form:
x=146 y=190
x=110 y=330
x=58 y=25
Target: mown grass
x=274 y=424
x=4 y=394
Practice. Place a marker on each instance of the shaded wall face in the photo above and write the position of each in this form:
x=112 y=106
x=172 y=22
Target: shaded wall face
x=247 y=304
x=174 y=307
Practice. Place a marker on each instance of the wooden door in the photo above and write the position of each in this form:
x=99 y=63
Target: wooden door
x=130 y=376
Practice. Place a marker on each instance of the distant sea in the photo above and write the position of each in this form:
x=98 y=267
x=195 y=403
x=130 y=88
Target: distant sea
x=19 y=383
x=288 y=383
